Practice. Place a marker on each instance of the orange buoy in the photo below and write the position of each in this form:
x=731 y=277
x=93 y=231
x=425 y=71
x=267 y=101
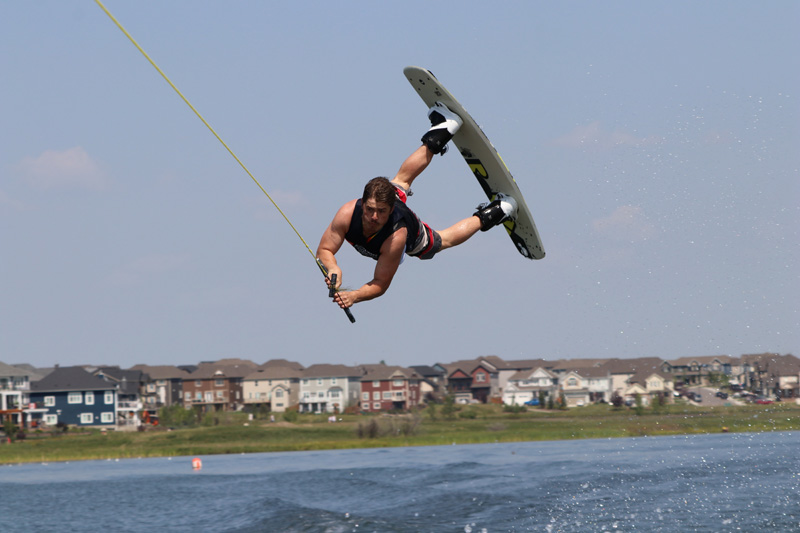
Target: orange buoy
x=197 y=464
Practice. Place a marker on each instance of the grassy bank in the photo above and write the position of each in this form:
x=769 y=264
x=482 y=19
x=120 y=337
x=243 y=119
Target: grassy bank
x=473 y=425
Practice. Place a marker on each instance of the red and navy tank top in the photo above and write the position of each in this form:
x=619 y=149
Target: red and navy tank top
x=370 y=246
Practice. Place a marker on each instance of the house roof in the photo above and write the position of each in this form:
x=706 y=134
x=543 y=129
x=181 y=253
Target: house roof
x=162 y=371
x=70 y=378
x=8 y=371
x=426 y=371
x=521 y=375
x=331 y=371
x=282 y=363
x=386 y=372
x=274 y=372
x=469 y=366
x=233 y=361
x=573 y=364
x=590 y=372
x=633 y=366
x=525 y=364
x=214 y=370
x=703 y=360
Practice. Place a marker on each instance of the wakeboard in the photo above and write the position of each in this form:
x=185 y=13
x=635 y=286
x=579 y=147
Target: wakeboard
x=484 y=161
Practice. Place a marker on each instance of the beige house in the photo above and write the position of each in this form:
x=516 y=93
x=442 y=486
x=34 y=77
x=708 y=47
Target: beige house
x=276 y=387
x=575 y=388
x=650 y=386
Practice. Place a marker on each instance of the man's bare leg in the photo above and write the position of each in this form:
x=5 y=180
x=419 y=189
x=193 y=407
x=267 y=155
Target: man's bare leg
x=413 y=167
x=460 y=232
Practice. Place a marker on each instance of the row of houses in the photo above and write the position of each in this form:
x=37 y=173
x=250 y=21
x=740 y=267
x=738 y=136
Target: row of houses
x=125 y=398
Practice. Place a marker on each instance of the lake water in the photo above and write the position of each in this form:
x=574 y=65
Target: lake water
x=726 y=482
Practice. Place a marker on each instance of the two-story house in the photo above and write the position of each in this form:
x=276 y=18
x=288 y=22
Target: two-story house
x=773 y=374
x=14 y=393
x=526 y=385
x=73 y=396
x=130 y=384
x=390 y=388
x=472 y=380
x=163 y=386
x=328 y=388
x=214 y=387
x=274 y=387
x=432 y=384
x=699 y=370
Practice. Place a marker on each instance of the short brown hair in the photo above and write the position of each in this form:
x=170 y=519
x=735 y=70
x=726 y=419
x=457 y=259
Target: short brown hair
x=381 y=189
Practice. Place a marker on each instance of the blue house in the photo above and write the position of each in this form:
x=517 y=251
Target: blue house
x=73 y=396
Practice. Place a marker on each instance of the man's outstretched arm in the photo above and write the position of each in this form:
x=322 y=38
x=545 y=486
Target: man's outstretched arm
x=332 y=240
x=389 y=260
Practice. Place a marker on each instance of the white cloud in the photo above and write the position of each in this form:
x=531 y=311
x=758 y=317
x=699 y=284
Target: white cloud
x=593 y=136
x=66 y=169
x=145 y=267
x=626 y=223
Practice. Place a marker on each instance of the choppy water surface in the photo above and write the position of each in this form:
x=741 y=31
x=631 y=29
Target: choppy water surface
x=728 y=482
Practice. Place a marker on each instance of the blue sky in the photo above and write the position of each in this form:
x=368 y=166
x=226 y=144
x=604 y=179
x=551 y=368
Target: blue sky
x=656 y=144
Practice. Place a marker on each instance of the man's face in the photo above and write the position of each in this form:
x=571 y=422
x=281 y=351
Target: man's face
x=375 y=215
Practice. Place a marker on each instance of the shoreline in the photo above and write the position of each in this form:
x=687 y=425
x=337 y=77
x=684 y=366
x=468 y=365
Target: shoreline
x=483 y=425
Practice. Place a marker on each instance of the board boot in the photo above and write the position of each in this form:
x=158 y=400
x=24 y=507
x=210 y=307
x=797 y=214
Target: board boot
x=444 y=124
x=493 y=213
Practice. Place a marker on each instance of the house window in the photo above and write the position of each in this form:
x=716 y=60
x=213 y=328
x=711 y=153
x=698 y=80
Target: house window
x=480 y=377
x=334 y=394
x=376 y=383
x=365 y=396
x=219 y=382
x=87 y=418
x=199 y=396
x=397 y=383
x=49 y=401
x=107 y=418
x=209 y=396
x=89 y=398
x=74 y=397
x=333 y=381
x=279 y=393
x=376 y=395
x=51 y=420
x=219 y=394
x=387 y=395
x=198 y=383
x=319 y=381
x=572 y=382
x=108 y=397
x=376 y=406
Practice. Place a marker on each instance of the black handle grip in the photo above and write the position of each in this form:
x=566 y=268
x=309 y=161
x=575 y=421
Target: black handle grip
x=332 y=293
x=332 y=288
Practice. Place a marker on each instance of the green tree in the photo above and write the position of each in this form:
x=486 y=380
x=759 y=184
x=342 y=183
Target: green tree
x=449 y=407
x=10 y=429
x=177 y=416
x=431 y=410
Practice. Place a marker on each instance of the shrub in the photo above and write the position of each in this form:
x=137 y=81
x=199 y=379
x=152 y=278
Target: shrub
x=470 y=414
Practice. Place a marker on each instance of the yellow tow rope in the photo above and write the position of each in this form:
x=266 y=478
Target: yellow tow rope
x=196 y=112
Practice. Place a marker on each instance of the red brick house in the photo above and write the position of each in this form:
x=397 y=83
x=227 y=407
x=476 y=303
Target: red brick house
x=387 y=388
x=214 y=387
